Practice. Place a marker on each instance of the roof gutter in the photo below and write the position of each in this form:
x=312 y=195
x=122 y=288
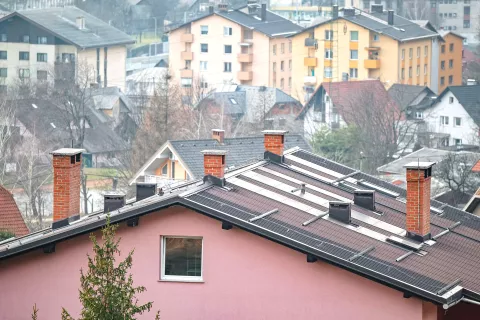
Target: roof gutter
x=446 y=306
x=422 y=37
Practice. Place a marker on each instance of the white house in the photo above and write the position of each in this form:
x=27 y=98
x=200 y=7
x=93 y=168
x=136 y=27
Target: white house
x=455 y=115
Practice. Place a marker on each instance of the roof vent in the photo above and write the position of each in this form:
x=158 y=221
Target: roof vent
x=378 y=8
x=145 y=190
x=341 y=211
x=390 y=19
x=113 y=201
x=364 y=199
x=81 y=22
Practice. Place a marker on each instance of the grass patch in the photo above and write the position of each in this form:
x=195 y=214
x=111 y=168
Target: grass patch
x=100 y=173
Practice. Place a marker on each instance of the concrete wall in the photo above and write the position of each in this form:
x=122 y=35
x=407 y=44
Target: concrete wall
x=244 y=277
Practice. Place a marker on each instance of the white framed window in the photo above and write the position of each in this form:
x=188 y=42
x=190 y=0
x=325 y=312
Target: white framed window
x=186 y=82
x=227 y=31
x=353 y=35
x=203 y=65
x=327 y=72
x=42 y=40
x=418 y=115
x=376 y=37
x=227 y=67
x=328 y=34
x=181 y=259
x=443 y=120
x=458 y=142
x=457 y=122
x=328 y=54
x=204 y=30
x=24 y=73
x=203 y=84
x=204 y=47
x=227 y=49
x=353 y=54
x=450 y=100
x=353 y=73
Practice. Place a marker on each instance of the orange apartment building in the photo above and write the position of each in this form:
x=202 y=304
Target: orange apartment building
x=243 y=46
x=450 y=60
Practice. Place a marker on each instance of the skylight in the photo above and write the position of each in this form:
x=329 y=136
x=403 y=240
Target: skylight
x=34 y=106
x=53 y=125
x=233 y=101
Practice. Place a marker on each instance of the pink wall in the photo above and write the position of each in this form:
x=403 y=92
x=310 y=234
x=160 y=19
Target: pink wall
x=246 y=277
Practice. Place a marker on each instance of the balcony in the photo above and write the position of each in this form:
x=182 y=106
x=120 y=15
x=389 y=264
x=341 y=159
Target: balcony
x=310 y=42
x=310 y=80
x=371 y=64
x=187 y=55
x=186 y=37
x=186 y=73
x=244 y=75
x=245 y=57
x=310 y=62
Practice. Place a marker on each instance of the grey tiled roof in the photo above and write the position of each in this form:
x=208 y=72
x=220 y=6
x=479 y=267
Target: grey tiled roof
x=62 y=23
x=405 y=94
x=402 y=29
x=424 y=154
x=274 y=24
x=469 y=98
x=240 y=150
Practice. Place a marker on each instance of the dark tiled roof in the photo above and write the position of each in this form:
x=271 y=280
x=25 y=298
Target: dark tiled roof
x=404 y=94
x=62 y=23
x=273 y=26
x=402 y=29
x=240 y=150
x=10 y=217
x=469 y=98
x=267 y=186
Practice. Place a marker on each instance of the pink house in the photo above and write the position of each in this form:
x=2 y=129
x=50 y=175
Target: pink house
x=291 y=236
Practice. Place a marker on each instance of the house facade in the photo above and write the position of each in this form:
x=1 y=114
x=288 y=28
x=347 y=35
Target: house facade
x=59 y=44
x=278 y=244
x=211 y=56
x=373 y=44
x=450 y=60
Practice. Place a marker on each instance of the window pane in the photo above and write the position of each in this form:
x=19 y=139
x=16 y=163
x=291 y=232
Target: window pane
x=183 y=257
x=353 y=35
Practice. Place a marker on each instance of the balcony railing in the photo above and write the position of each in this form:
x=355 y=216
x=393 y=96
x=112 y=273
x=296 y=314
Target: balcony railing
x=310 y=62
x=186 y=37
x=372 y=63
x=186 y=55
x=245 y=75
x=245 y=57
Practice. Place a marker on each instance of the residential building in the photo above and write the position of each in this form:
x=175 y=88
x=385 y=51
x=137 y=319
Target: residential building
x=249 y=109
x=145 y=82
x=242 y=46
x=369 y=5
x=458 y=16
x=11 y=219
x=177 y=161
x=450 y=60
x=303 y=13
x=60 y=43
x=377 y=45
x=453 y=120
x=333 y=104
x=296 y=230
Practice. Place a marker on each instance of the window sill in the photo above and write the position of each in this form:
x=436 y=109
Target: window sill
x=182 y=280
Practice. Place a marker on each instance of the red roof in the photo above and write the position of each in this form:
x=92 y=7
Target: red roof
x=476 y=167
x=10 y=217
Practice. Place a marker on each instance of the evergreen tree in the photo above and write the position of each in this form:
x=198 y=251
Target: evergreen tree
x=107 y=291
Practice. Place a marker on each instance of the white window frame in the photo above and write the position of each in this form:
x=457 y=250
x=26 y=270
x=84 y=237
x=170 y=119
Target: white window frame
x=202 y=29
x=376 y=37
x=225 y=49
x=201 y=47
x=444 y=120
x=354 y=32
x=455 y=121
x=164 y=277
x=329 y=54
x=418 y=115
x=224 y=67
x=451 y=100
x=328 y=34
x=351 y=51
x=227 y=31
x=325 y=72
x=354 y=74
x=457 y=140
x=203 y=65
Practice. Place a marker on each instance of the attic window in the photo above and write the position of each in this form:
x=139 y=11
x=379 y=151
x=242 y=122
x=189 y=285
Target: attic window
x=233 y=101
x=34 y=106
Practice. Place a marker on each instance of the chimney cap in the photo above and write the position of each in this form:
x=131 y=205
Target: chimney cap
x=214 y=152
x=114 y=194
x=218 y=130
x=67 y=152
x=419 y=165
x=275 y=132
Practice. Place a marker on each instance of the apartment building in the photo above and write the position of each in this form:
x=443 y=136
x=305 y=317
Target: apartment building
x=48 y=44
x=450 y=60
x=377 y=45
x=461 y=16
x=246 y=46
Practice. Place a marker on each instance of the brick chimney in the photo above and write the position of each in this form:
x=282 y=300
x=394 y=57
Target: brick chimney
x=66 y=183
x=214 y=163
x=274 y=141
x=219 y=135
x=419 y=175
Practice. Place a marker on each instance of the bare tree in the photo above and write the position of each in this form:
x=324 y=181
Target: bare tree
x=7 y=134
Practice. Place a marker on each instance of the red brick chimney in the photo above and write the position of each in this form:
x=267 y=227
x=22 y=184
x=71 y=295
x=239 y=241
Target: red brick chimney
x=66 y=183
x=219 y=135
x=214 y=162
x=274 y=141
x=419 y=176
